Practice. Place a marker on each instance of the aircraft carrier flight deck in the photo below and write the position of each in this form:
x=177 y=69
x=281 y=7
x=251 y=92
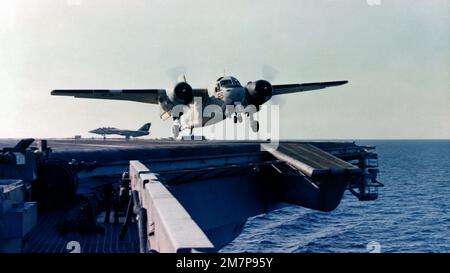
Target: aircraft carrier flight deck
x=95 y=195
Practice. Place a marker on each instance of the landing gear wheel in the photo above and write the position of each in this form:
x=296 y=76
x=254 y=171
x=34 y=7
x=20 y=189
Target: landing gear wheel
x=240 y=119
x=235 y=119
x=175 y=131
x=255 y=126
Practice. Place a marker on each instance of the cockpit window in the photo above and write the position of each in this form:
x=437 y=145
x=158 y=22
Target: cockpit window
x=226 y=83
x=230 y=83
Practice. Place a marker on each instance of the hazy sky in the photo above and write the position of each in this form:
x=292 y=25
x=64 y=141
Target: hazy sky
x=395 y=55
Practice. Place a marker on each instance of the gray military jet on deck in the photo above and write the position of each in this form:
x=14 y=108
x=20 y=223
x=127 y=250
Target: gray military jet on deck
x=143 y=131
x=225 y=98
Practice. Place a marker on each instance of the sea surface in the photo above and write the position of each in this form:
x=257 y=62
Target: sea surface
x=412 y=213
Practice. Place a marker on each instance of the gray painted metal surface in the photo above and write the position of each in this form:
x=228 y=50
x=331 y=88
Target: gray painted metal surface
x=170 y=227
x=310 y=160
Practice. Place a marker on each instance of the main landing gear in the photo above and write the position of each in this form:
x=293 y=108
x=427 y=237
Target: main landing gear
x=176 y=128
x=237 y=118
x=254 y=124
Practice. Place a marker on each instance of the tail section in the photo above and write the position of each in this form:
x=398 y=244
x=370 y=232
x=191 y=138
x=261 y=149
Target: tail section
x=146 y=127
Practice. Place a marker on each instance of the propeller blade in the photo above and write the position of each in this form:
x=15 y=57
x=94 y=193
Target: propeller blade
x=277 y=100
x=269 y=73
x=177 y=73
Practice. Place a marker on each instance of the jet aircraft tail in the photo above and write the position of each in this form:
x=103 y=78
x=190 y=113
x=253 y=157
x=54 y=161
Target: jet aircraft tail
x=146 y=127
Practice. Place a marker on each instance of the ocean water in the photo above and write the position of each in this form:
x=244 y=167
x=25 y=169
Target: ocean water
x=412 y=213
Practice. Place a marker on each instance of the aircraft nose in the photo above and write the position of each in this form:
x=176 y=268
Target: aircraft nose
x=236 y=94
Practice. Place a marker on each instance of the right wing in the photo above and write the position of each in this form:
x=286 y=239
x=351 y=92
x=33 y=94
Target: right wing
x=139 y=95
x=302 y=87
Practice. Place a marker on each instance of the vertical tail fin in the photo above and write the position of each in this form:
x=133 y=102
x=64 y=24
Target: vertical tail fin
x=146 y=127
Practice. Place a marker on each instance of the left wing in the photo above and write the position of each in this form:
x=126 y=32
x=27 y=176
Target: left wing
x=302 y=87
x=139 y=95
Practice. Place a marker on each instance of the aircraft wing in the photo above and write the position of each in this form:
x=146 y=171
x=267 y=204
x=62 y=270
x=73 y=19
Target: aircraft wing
x=139 y=95
x=302 y=87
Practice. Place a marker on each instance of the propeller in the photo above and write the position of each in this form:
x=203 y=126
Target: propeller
x=269 y=73
x=177 y=74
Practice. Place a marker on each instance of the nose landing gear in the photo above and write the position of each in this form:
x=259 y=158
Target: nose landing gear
x=238 y=111
x=237 y=118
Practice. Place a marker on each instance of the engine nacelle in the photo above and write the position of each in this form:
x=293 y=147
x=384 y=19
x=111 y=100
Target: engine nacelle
x=258 y=92
x=181 y=94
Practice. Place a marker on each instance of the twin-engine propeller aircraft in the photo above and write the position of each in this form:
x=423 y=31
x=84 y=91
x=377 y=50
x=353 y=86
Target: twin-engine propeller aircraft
x=225 y=98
